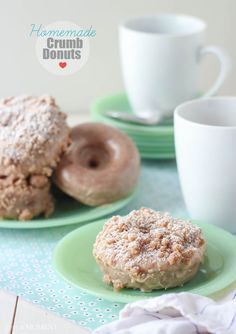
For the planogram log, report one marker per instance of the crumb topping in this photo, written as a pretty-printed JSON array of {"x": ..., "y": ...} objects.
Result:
[
  {"x": 27, "y": 124},
  {"x": 150, "y": 237}
]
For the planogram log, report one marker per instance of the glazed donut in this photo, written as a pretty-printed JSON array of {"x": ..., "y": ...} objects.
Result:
[{"x": 100, "y": 166}]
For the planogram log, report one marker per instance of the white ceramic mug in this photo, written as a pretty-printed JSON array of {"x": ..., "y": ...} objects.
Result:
[
  {"x": 205, "y": 140},
  {"x": 160, "y": 58}
]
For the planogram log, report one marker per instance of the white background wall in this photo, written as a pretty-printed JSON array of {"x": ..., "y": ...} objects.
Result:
[{"x": 20, "y": 71}]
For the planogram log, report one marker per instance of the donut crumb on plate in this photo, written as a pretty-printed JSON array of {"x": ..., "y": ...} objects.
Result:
[{"x": 148, "y": 250}]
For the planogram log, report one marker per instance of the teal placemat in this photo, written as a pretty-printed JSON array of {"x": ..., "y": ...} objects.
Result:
[{"x": 25, "y": 260}]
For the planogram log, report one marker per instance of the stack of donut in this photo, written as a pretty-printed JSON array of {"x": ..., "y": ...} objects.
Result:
[
  {"x": 33, "y": 136},
  {"x": 93, "y": 163}
]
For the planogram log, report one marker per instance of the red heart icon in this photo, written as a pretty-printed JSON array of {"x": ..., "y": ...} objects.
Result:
[{"x": 62, "y": 64}]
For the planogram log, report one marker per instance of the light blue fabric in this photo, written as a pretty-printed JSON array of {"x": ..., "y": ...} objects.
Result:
[{"x": 26, "y": 255}]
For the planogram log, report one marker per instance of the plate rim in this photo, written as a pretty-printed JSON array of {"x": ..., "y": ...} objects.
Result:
[
  {"x": 121, "y": 298},
  {"x": 60, "y": 221},
  {"x": 135, "y": 131},
  {"x": 96, "y": 111}
]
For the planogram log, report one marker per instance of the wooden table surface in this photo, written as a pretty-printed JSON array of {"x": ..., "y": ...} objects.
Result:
[{"x": 18, "y": 316}]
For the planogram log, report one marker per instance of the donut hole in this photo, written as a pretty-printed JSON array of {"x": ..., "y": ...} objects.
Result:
[
  {"x": 94, "y": 157},
  {"x": 93, "y": 163}
]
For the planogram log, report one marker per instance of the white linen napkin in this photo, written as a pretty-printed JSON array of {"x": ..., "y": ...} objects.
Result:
[{"x": 182, "y": 313}]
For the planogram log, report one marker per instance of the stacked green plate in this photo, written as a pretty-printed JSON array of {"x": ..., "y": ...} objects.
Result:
[{"x": 153, "y": 142}]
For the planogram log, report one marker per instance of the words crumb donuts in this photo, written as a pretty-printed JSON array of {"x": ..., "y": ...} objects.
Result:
[
  {"x": 148, "y": 250},
  {"x": 100, "y": 166}
]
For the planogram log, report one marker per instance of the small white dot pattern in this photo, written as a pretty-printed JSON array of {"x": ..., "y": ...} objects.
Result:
[{"x": 26, "y": 255}]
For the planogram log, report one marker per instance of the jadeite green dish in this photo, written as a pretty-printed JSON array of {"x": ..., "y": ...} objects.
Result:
[
  {"x": 154, "y": 146},
  {"x": 68, "y": 211},
  {"x": 153, "y": 142},
  {"x": 158, "y": 137},
  {"x": 159, "y": 149},
  {"x": 151, "y": 138},
  {"x": 73, "y": 259},
  {"x": 119, "y": 102},
  {"x": 157, "y": 156}
]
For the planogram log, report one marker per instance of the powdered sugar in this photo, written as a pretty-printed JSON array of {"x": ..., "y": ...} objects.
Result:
[
  {"x": 150, "y": 235},
  {"x": 33, "y": 136},
  {"x": 26, "y": 124}
]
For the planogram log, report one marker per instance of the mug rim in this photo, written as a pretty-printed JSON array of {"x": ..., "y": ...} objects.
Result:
[
  {"x": 126, "y": 25},
  {"x": 178, "y": 109}
]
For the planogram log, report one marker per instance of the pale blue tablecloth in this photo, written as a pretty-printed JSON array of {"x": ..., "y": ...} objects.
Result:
[{"x": 26, "y": 255}]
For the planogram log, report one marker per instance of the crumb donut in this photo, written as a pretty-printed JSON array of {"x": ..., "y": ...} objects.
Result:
[
  {"x": 100, "y": 166},
  {"x": 24, "y": 199},
  {"x": 33, "y": 135},
  {"x": 148, "y": 250}
]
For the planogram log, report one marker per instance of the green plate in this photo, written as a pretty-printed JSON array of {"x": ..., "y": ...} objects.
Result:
[
  {"x": 153, "y": 149},
  {"x": 145, "y": 131},
  {"x": 149, "y": 137},
  {"x": 153, "y": 142},
  {"x": 162, "y": 140},
  {"x": 119, "y": 102},
  {"x": 73, "y": 259},
  {"x": 68, "y": 211},
  {"x": 157, "y": 156},
  {"x": 156, "y": 147}
]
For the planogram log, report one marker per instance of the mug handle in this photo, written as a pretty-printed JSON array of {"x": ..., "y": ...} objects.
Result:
[{"x": 225, "y": 66}]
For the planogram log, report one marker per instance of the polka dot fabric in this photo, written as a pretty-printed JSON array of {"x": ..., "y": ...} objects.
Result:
[{"x": 26, "y": 255}]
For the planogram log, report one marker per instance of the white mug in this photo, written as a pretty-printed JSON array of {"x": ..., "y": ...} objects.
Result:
[
  {"x": 205, "y": 141},
  {"x": 160, "y": 58}
]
